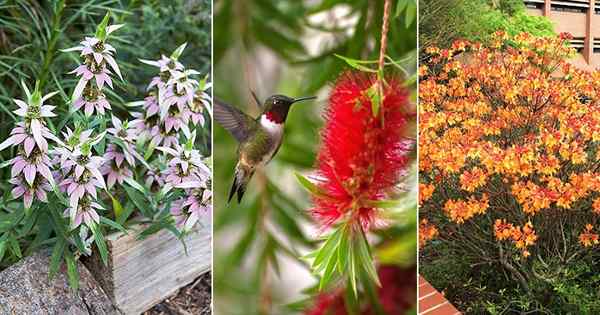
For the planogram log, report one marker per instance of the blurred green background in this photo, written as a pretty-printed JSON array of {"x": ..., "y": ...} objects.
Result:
[{"x": 287, "y": 47}]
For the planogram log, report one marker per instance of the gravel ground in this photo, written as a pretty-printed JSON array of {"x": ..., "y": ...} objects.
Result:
[{"x": 192, "y": 299}]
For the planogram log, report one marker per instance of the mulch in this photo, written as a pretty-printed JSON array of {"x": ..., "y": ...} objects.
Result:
[{"x": 192, "y": 299}]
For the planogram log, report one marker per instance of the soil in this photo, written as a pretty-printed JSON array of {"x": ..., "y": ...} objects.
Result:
[{"x": 193, "y": 299}]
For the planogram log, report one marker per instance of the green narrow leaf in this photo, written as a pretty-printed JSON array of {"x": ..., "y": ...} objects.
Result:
[
  {"x": 101, "y": 244},
  {"x": 72, "y": 271},
  {"x": 328, "y": 248},
  {"x": 352, "y": 271},
  {"x": 310, "y": 186},
  {"x": 101, "y": 30},
  {"x": 133, "y": 183},
  {"x": 56, "y": 257},
  {"x": 139, "y": 200},
  {"x": 375, "y": 97},
  {"x": 411, "y": 13},
  {"x": 117, "y": 207},
  {"x": 358, "y": 64},
  {"x": 14, "y": 246},
  {"x": 113, "y": 224},
  {"x": 365, "y": 258},
  {"x": 351, "y": 301}
]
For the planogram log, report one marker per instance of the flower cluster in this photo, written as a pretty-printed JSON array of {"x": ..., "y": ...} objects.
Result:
[
  {"x": 94, "y": 72},
  {"x": 186, "y": 170},
  {"x": 508, "y": 130},
  {"x": 363, "y": 152},
  {"x": 522, "y": 237},
  {"x": 120, "y": 158},
  {"x": 587, "y": 238},
  {"x": 31, "y": 168},
  {"x": 79, "y": 177},
  {"x": 427, "y": 231},
  {"x": 175, "y": 101}
]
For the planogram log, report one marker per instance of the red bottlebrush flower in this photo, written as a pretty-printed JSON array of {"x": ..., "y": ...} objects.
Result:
[
  {"x": 328, "y": 304},
  {"x": 397, "y": 294},
  {"x": 362, "y": 155}
]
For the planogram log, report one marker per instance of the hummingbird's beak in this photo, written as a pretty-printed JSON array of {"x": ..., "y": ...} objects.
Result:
[{"x": 304, "y": 98}]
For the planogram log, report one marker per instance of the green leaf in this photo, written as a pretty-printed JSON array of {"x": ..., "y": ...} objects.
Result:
[
  {"x": 113, "y": 224},
  {"x": 101, "y": 244},
  {"x": 56, "y": 257},
  {"x": 310, "y": 186},
  {"x": 358, "y": 64},
  {"x": 375, "y": 96},
  {"x": 117, "y": 207},
  {"x": 139, "y": 200},
  {"x": 411, "y": 13},
  {"x": 101, "y": 30},
  {"x": 14, "y": 246},
  {"x": 177, "y": 53},
  {"x": 72, "y": 271},
  {"x": 365, "y": 258},
  {"x": 328, "y": 248},
  {"x": 133, "y": 183}
]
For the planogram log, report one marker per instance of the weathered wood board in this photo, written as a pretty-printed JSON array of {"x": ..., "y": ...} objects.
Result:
[{"x": 142, "y": 273}]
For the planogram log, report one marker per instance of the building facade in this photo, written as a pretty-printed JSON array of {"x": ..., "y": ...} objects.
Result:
[{"x": 581, "y": 18}]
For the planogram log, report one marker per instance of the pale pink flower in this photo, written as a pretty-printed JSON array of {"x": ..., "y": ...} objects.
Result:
[
  {"x": 115, "y": 173},
  {"x": 99, "y": 104},
  {"x": 37, "y": 189},
  {"x": 186, "y": 169},
  {"x": 98, "y": 72},
  {"x": 100, "y": 50},
  {"x": 30, "y": 166},
  {"x": 187, "y": 210},
  {"x": 154, "y": 177},
  {"x": 84, "y": 213}
]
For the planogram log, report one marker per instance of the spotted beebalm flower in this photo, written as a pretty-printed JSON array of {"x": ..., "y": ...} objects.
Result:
[
  {"x": 114, "y": 167},
  {"x": 165, "y": 66},
  {"x": 188, "y": 210},
  {"x": 84, "y": 174},
  {"x": 96, "y": 54},
  {"x": 28, "y": 191},
  {"x": 92, "y": 99},
  {"x": 100, "y": 50},
  {"x": 201, "y": 102},
  {"x": 186, "y": 169},
  {"x": 85, "y": 213},
  {"x": 363, "y": 154},
  {"x": 180, "y": 91},
  {"x": 154, "y": 177},
  {"x": 31, "y": 168}
]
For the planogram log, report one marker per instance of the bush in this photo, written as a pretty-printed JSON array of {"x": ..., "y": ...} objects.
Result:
[
  {"x": 443, "y": 22},
  {"x": 509, "y": 176}
]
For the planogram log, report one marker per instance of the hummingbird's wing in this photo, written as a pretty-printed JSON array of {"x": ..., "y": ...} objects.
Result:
[{"x": 234, "y": 120}]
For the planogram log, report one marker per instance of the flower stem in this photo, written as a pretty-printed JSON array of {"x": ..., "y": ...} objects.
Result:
[
  {"x": 384, "y": 30},
  {"x": 49, "y": 56}
]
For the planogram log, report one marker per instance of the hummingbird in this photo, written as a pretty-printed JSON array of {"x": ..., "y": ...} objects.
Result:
[{"x": 259, "y": 138}]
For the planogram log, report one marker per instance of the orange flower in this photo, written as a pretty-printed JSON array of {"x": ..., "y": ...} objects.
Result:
[
  {"x": 596, "y": 206},
  {"x": 471, "y": 180},
  {"x": 425, "y": 192},
  {"x": 587, "y": 238},
  {"x": 427, "y": 232}
]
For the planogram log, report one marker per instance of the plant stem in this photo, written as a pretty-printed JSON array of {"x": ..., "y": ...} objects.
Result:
[
  {"x": 384, "y": 31},
  {"x": 49, "y": 56}
]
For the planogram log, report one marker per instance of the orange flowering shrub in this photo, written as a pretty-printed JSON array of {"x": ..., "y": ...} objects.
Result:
[{"x": 509, "y": 136}]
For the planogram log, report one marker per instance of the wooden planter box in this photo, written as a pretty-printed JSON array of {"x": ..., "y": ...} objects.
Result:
[{"x": 142, "y": 273}]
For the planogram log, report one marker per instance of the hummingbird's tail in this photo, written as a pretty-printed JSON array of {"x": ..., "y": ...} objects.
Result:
[{"x": 240, "y": 181}]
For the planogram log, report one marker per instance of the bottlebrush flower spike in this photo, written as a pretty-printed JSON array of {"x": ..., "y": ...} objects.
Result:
[{"x": 362, "y": 154}]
